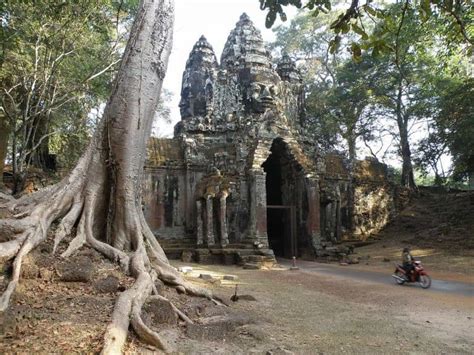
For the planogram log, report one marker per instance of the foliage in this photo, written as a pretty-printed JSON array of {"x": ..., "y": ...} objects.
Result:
[
  {"x": 397, "y": 88},
  {"x": 457, "y": 17},
  {"x": 341, "y": 108},
  {"x": 338, "y": 88},
  {"x": 455, "y": 125},
  {"x": 430, "y": 152},
  {"x": 163, "y": 112},
  {"x": 57, "y": 62}
]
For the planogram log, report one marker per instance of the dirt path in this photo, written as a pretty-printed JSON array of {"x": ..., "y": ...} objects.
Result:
[
  {"x": 305, "y": 312},
  {"x": 463, "y": 286}
]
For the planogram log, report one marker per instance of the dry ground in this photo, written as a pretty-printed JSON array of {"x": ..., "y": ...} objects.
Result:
[{"x": 293, "y": 311}]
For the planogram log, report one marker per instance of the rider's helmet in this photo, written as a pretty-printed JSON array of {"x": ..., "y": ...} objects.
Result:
[{"x": 406, "y": 250}]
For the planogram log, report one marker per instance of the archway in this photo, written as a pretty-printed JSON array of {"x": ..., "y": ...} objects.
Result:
[{"x": 280, "y": 200}]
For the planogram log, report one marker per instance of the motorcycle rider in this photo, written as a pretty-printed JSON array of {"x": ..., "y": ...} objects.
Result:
[{"x": 408, "y": 261}]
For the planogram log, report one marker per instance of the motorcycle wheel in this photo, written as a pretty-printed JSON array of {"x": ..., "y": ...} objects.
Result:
[
  {"x": 425, "y": 281},
  {"x": 399, "y": 274}
]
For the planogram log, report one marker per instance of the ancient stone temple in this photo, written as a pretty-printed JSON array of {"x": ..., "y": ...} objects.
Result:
[{"x": 240, "y": 180}]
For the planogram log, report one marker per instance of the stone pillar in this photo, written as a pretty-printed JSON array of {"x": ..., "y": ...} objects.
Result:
[
  {"x": 333, "y": 220},
  {"x": 338, "y": 235},
  {"x": 223, "y": 220},
  {"x": 189, "y": 197},
  {"x": 209, "y": 222},
  {"x": 328, "y": 225},
  {"x": 258, "y": 208},
  {"x": 313, "y": 225},
  {"x": 199, "y": 231}
]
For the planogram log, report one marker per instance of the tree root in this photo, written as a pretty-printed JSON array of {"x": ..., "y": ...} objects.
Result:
[
  {"x": 29, "y": 243},
  {"x": 68, "y": 222},
  {"x": 6, "y": 197},
  {"x": 147, "y": 263},
  {"x": 10, "y": 249}
]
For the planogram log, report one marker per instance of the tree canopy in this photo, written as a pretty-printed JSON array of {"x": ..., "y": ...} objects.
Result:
[
  {"x": 457, "y": 16},
  {"x": 394, "y": 83},
  {"x": 57, "y": 62}
]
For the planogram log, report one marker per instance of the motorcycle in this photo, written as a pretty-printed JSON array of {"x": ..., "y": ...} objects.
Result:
[{"x": 418, "y": 274}]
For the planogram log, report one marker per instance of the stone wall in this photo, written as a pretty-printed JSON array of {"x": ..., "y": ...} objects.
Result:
[
  {"x": 164, "y": 203},
  {"x": 374, "y": 198}
]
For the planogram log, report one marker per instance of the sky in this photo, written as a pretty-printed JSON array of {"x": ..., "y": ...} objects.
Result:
[{"x": 214, "y": 19}]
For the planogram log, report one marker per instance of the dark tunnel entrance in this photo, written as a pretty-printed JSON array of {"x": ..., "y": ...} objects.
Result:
[{"x": 280, "y": 214}]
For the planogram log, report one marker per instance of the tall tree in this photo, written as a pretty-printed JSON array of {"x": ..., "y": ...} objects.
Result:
[
  {"x": 454, "y": 126},
  {"x": 57, "y": 63},
  {"x": 342, "y": 108},
  {"x": 400, "y": 75},
  {"x": 102, "y": 193},
  {"x": 339, "y": 89}
]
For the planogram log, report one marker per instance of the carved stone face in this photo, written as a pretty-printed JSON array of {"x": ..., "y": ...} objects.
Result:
[
  {"x": 185, "y": 104},
  {"x": 262, "y": 90}
]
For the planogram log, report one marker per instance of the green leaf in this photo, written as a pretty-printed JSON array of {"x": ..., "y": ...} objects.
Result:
[
  {"x": 380, "y": 14},
  {"x": 345, "y": 28},
  {"x": 425, "y": 9},
  {"x": 356, "y": 51},
  {"x": 360, "y": 31},
  {"x": 370, "y": 10}
]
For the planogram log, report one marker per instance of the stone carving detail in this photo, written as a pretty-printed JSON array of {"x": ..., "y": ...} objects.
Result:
[
  {"x": 197, "y": 93},
  {"x": 235, "y": 94}
]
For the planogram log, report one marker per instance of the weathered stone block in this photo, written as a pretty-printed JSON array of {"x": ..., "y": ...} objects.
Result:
[
  {"x": 251, "y": 266},
  {"x": 108, "y": 284},
  {"x": 160, "y": 312},
  {"x": 187, "y": 256},
  {"x": 76, "y": 270},
  {"x": 185, "y": 269}
]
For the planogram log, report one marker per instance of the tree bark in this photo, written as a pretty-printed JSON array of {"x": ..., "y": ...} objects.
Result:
[
  {"x": 102, "y": 193},
  {"x": 351, "y": 142},
  {"x": 37, "y": 146},
  {"x": 4, "y": 135},
  {"x": 407, "y": 178}
]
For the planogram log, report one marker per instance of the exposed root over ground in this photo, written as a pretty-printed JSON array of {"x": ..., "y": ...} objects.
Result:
[
  {"x": 146, "y": 263},
  {"x": 66, "y": 305},
  {"x": 77, "y": 202}
]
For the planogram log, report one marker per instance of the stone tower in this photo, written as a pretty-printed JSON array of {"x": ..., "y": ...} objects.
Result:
[{"x": 198, "y": 81}]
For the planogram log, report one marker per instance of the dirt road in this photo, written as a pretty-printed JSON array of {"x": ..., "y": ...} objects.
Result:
[
  {"x": 313, "y": 312},
  {"x": 381, "y": 277}
]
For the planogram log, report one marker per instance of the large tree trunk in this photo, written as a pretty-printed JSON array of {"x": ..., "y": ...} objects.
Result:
[
  {"x": 407, "y": 178},
  {"x": 351, "y": 141},
  {"x": 4, "y": 135},
  {"x": 102, "y": 193},
  {"x": 38, "y": 145}
]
